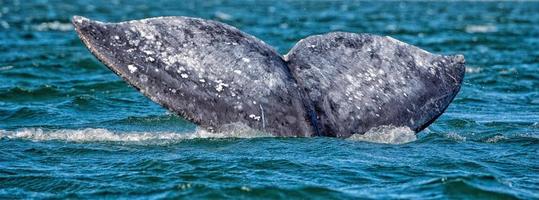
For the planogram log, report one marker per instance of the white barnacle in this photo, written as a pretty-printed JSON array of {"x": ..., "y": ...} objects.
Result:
[
  {"x": 247, "y": 60},
  {"x": 219, "y": 86},
  {"x": 252, "y": 116},
  {"x": 180, "y": 70},
  {"x": 116, "y": 37},
  {"x": 134, "y": 42},
  {"x": 184, "y": 75},
  {"x": 432, "y": 70},
  {"x": 202, "y": 80},
  {"x": 148, "y": 52},
  {"x": 132, "y": 68},
  {"x": 79, "y": 20},
  {"x": 237, "y": 71},
  {"x": 238, "y": 107}
]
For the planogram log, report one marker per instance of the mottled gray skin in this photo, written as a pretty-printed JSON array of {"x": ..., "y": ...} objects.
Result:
[
  {"x": 336, "y": 84},
  {"x": 361, "y": 81},
  {"x": 205, "y": 71}
]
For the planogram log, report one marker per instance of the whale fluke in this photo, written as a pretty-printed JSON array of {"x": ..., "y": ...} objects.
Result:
[
  {"x": 337, "y": 84},
  {"x": 206, "y": 71},
  {"x": 361, "y": 81}
]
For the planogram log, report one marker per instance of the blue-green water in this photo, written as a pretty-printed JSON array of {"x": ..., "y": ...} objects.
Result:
[{"x": 70, "y": 128}]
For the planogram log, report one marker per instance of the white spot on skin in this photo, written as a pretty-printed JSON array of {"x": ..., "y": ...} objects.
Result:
[
  {"x": 116, "y": 37},
  {"x": 134, "y": 42},
  {"x": 184, "y": 75},
  {"x": 247, "y": 60},
  {"x": 132, "y": 68},
  {"x": 252, "y": 116},
  {"x": 202, "y": 80},
  {"x": 237, "y": 71},
  {"x": 220, "y": 86},
  {"x": 238, "y": 107}
]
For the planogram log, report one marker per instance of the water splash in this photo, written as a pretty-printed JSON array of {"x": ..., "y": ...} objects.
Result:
[
  {"x": 386, "y": 135},
  {"x": 105, "y": 135}
]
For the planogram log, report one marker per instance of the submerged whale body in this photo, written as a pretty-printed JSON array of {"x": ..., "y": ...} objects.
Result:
[{"x": 336, "y": 84}]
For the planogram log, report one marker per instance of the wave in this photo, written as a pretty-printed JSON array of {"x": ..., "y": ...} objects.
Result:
[
  {"x": 105, "y": 135},
  {"x": 487, "y": 138},
  {"x": 41, "y": 92},
  {"x": 472, "y": 185}
]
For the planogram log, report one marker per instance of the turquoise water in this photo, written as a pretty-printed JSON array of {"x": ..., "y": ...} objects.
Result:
[{"x": 70, "y": 128}]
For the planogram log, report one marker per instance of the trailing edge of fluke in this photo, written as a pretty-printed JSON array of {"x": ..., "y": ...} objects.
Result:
[{"x": 336, "y": 84}]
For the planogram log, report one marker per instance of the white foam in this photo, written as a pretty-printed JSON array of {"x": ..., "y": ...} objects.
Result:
[
  {"x": 104, "y": 135},
  {"x": 53, "y": 26},
  {"x": 496, "y": 139},
  {"x": 484, "y": 28},
  {"x": 223, "y": 16},
  {"x": 6, "y": 68},
  {"x": 455, "y": 137},
  {"x": 386, "y": 135},
  {"x": 473, "y": 70}
]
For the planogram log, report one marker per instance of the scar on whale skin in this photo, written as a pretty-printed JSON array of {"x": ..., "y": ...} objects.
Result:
[{"x": 336, "y": 84}]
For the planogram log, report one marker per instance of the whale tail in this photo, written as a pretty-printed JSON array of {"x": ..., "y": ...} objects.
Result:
[{"x": 336, "y": 84}]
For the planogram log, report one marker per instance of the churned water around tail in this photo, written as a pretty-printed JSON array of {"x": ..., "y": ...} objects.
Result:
[{"x": 70, "y": 128}]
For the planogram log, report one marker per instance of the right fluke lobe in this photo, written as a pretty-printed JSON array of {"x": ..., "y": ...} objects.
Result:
[{"x": 361, "y": 81}]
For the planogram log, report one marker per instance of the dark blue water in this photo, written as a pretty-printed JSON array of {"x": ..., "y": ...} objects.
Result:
[{"x": 70, "y": 128}]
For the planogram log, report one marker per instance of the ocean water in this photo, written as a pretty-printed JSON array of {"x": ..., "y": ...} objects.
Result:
[{"x": 70, "y": 128}]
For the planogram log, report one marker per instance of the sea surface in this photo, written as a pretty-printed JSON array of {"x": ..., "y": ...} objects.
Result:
[{"x": 70, "y": 128}]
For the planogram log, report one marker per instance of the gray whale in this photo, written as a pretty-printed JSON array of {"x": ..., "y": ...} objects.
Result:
[{"x": 336, "y": 84}]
